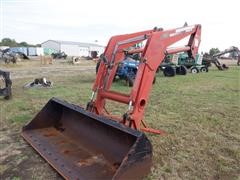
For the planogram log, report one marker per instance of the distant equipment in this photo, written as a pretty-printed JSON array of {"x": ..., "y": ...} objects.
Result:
[
  {"x": 60, "y": 55},
  {"x": 5, "y": 85},
  {"x": 207, "y": 59},
  {"x": 71, "y": 48},
  {"x": 8, "y": 55}
]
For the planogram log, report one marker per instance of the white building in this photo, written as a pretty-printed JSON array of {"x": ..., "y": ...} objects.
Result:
[
  {"x": 4, "y": 47},
  {"x": 73, "y": 48}
]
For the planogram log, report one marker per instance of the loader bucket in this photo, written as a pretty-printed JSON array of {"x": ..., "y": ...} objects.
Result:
[{"x": 83, "y": 145}]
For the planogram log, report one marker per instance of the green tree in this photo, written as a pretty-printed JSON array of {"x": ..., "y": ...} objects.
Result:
[
  {"x": 23, "y": 44},
  {"x": 213, "y": 51},
  {"x": 12, "y": 43},
  {"x": 8, "y": 42}
]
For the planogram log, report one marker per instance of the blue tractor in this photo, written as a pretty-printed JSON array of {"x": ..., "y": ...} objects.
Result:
[{"x": 127, "y": 70}]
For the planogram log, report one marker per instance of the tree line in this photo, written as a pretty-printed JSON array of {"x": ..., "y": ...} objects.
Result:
[{"x": 12, "y": 43}]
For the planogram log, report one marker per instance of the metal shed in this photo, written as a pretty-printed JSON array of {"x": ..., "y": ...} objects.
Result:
[{"x": 73, "y": 48}]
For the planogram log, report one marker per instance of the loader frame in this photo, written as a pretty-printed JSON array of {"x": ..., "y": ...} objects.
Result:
[
  {"x": 92, "y": 144},
  {"x": 153, "y": 53}
]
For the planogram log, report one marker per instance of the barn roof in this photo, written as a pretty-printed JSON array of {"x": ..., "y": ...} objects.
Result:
[{"x": 75, "y": 43}]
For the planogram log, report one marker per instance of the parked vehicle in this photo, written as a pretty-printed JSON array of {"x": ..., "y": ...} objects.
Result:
[
  {"x": 180, "y": 64},
  {"x": 127, "y": 70},
  {"x": 207, "y": 59},
  {"x": 8, "y": 56},
  {"x": 59, "y": 55}
]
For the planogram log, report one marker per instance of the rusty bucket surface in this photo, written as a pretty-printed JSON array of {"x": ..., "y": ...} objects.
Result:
[{"x": 82, "y": 145}]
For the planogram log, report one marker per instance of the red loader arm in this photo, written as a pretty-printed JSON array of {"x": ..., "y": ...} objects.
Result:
[{"x": 152, "y": 54}]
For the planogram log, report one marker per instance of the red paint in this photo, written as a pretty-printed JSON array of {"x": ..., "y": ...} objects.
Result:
[{"x": 152, "y": 54}]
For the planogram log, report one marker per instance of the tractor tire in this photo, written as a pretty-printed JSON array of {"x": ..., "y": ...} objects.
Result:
[
  {"x": 115, "y": 79},
  {"x": 7, "y": 60},
  {"x": 204, "y": 69},
  {"x": 75, "y": 60},
  {"x": 224, "y": 66},
  {"x": 169, "y": 71},
  {"x": 181, "y": 70},
  {"x": 8, "y": 97},
  {"x": 97, "y": 66},
  {"x": 154, "y": 80},
  {"x": 130, "y": 81},
  {"x": 194, "y": 70}
]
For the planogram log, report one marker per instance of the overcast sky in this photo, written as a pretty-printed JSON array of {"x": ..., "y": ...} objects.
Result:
[{"x": 35, "y": 21}]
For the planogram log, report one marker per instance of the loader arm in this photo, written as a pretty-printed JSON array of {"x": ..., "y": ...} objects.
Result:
[
  {"x": 153, "y": 53},
  {"x": 91, "y": 145},
  {"x": 112, "y": 54},
  {"x": 229, "y": 50},
  {"x": 215, "y": 61}
]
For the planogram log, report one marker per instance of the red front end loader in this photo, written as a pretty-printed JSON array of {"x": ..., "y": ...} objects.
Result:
[{"x": 92, "y": 143}]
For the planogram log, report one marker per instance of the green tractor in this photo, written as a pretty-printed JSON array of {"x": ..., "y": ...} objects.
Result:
[
  {"x": 180, "y": 64},
  {"x": 195, "y": 65}
]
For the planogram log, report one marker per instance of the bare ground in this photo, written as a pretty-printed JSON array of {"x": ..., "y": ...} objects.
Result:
[
  {"x": 33, "y": 69},
  {"x": 17, "y": 159}
]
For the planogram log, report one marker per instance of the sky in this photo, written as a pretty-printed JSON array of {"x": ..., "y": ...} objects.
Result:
[{"x": 36, "y": 21}]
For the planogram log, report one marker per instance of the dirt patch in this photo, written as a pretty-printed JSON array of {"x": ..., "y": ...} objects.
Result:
[
  {"x": 18, "y": 159},
  {"x": 228, "y": 62},
  {"x": 33, "y": 69},
  {"x": 198, "y": 112}
]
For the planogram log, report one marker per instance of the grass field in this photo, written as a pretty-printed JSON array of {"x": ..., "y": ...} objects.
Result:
[{"x": 200, "y": 114}]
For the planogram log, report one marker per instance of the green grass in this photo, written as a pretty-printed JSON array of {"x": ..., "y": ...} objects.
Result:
[{"x": 200, "y": 114}]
